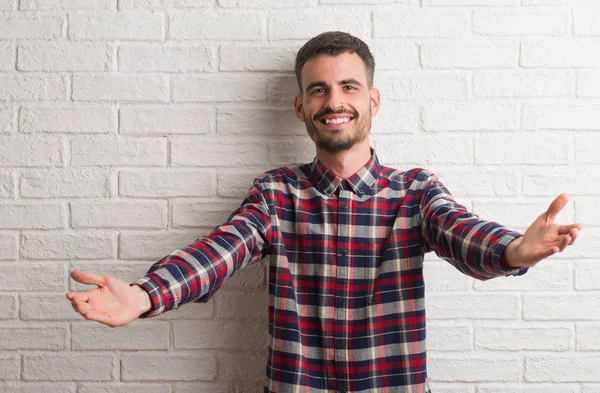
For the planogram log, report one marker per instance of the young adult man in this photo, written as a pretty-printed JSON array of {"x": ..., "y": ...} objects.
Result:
[{"x": 346, "y": 238}]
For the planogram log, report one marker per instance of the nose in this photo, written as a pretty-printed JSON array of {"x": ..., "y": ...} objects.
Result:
[{"x": 334, "y": 100}]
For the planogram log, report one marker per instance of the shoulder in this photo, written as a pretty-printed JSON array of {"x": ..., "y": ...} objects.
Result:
[
  {"x": 282, "y": 175},
  {"x": 414, "y": 178}
]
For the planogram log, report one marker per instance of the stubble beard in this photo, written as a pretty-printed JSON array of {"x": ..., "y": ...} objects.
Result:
[{"x": 334, "y": 144}]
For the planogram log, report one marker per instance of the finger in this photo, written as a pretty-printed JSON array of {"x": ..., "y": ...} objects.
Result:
[
  {"x": 564, "y": 229},
  {"x": 564, "y": 242},
  {"x": 573, "y": 233},
  {"x": 78, "y": 296},
  {"x": 556, "y": 206},
  {"x": 547, "y": 253},
  {"x": 87, "y": 278}
]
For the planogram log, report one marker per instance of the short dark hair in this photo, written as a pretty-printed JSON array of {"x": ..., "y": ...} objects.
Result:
[{"x": 334, "y": 43}]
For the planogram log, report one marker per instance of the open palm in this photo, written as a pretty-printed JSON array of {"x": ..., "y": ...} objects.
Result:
[{"x": 114, "y": 302}]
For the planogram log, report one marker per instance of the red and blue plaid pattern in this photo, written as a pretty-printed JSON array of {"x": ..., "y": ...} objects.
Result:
[{"x": 346, "y": 304}]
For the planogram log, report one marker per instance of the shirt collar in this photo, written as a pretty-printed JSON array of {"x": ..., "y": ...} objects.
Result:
[{"x": 362, "y": 182}]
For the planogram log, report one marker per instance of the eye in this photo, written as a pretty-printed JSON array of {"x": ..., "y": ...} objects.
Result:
[
  {"x": 350, "y": 87},
  {"x": 318, "y": 90}
]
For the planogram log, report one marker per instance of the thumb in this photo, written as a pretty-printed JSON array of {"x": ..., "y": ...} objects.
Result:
[
  {"x": 556, "y": 206},
  {"x": 88, "y": 278}
]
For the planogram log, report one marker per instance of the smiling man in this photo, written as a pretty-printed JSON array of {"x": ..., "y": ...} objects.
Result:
[{"x": 346, "y": 239}]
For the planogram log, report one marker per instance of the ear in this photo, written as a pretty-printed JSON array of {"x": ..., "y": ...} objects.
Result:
[
  {"x": 299, "y": 107},
  {"x": 375, "y": 101}
]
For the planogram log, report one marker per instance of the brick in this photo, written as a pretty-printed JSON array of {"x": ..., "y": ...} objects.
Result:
[
  {"x": 43, "y": 27},
  {"x": 521, "y": 337},
  {"x": 561, "y": 117},
  {"x": 588, "y": 84},
  {"x": 137, "y": 336},
  {"x": 125, "y": 25},
  {"x": 518, "y": 214},
  {"x": 521, "y": 22},
  {"x": 488, "y": 3},
  {"x": 172, "y": 119},
  {"x": 420, "y": 23},
  {"x": 564, "y": 306},
  {"x": 121, "y": 87},
  {"x": 202, "y": 214},
  {"x": 257, "y": 58},
  {"x": 589, "y": 388},
  {"x": 26, "y": 276},
  {"x": 442, "y": 276},
  {"x": 249, "y": 279},
  {"x": 69, "y": 367},
  {"x": 47, "y": 307},
  {"x": 8, "y": 308},
  {"x": 60, "y": 245},
  {"x": 305, "y": 24},
  {"x": 527, "y": 388},
  {"x": 244, "y": 368},
  {"x": 558, "y": 2},
  {"x": 242, "y": 305},
  {"x": 8, "y": 57},
  {"x": 225, "y": 25},
  {"x": 194, "y": 151},
  {"x": 522, "y": 84},
  {"x": 477, "y": 116},
  {"x": 220, "y": 335},
  {"x": 8, "y": 4},
  {"x": 33, "y": 387},
  {"x": 547, "y": 276},
  {"x": 191, "y": 311},
  {"x": 561, "y": 53},
  {"x": 226, "y": 88},
  {"x": 163, "y": 4},
  {"x": 35, "y": 5},
  {"x": 473, "y": 306},
  {"x": 290, "y": 152},
  {"x": 159, "y": 183},
  {"x": 32, "y": 87},
  {"x": 73, "y": 120},
  {"x": 417, "y": 86},
  {"x": 395, "y": 54},
  {"x": 153, "y": 245},
  {"x": 553, "y": 181},
  {"x": 138, "y": 214},
  {"x": 47, "y": 338},
  {"x": 121, "y": 152},
  {"x": 7, "y": 123},
  {"x": 32, "y": 216},
  {"x": 479, "y": 181},
  {"x": 124, "y": 388},
  {"x": 235, "y": 184},
  {"x": 9, "y": 367},
  {"x": 449, "y": 337},
  {"x": 562, "y": 368},
  {"x": 469, "y": 368},
  {"x": 269, "y": 3},
  {"x": 438, "y": 149},
  {"x": 470, "y": 54},
  {"x": 396, "y": 118},
  {"x": 454, "y": 388},
  {"x": 8, "y": 246},
  {"x": 586, "y": 21},
  {"x": 243, "y": 121},
  {"x": 588, "y": 336},
  {"x": 30, "y": 153},
  {"x": 586, "y": 273},
  {"x": 60, "y": 183},
  {"x": 54, "y": 57},
  {"x": 584, "y": 153},
  {"x": 165, "y": 58},
  {"x": 168, "y": 367},
  {"x": 502, "y": 149}
]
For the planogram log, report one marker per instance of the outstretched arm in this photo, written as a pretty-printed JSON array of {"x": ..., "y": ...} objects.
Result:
[
  {"x": 114, "y": 302},
  {"x": 542, "y": 239}
]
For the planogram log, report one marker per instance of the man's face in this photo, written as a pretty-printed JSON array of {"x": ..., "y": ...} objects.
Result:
[{"x": 336, "y": 103}]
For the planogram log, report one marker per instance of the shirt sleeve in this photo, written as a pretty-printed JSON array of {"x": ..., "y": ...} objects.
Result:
[
  {"x": 194, "y": 273},
  {"x": 471, "y": 245}
]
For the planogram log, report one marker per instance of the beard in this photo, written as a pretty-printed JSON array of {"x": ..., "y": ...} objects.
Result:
[{"x": 353, "y": 134}]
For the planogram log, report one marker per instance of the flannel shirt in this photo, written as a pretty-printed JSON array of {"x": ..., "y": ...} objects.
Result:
[{"x": 346, "y": 292}]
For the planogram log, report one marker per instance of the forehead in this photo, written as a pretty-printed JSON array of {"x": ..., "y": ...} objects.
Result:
[{"x": 328, "y": 68}]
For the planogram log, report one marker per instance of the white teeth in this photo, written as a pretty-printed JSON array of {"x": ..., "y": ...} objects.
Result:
[{"x": 341, "y": 120}]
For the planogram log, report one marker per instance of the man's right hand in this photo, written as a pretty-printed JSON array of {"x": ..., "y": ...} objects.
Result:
[{"x": 113, "y": 303}]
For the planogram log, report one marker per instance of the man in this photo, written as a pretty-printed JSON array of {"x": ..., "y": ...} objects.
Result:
[{"x": 346, "y": 238}]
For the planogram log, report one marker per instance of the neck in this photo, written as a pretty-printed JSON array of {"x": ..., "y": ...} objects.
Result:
[{"x": 346, "y": 163}]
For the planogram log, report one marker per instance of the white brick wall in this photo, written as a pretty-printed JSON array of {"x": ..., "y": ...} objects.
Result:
[{"x": 128, "y": 128}]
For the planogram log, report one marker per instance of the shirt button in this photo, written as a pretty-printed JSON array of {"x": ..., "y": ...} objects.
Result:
[
  {"x": 343, "y": 391},
  {"x": 341, "y": 300},
  {"x": 345, "y": 207},
  {"x": 340, "y": 345},
  {"x": 344, "y": 252}
]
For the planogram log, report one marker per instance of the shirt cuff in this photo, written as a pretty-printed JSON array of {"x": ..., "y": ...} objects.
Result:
[
  {"x": 498, "y": 249},
  {"x": 157, "y": 299}
]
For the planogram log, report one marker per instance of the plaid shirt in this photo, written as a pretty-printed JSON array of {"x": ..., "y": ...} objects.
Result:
[{"x": 346, "y": 291}]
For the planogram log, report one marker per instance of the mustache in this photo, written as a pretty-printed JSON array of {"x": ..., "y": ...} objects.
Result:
[{"x": 319, "y": 115}]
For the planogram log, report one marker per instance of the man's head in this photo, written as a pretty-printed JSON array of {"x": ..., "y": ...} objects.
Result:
[{"x": 336, "y": 99}]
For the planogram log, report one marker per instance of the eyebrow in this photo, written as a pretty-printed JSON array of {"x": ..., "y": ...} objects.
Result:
[{"x": 350, "y": 81}]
